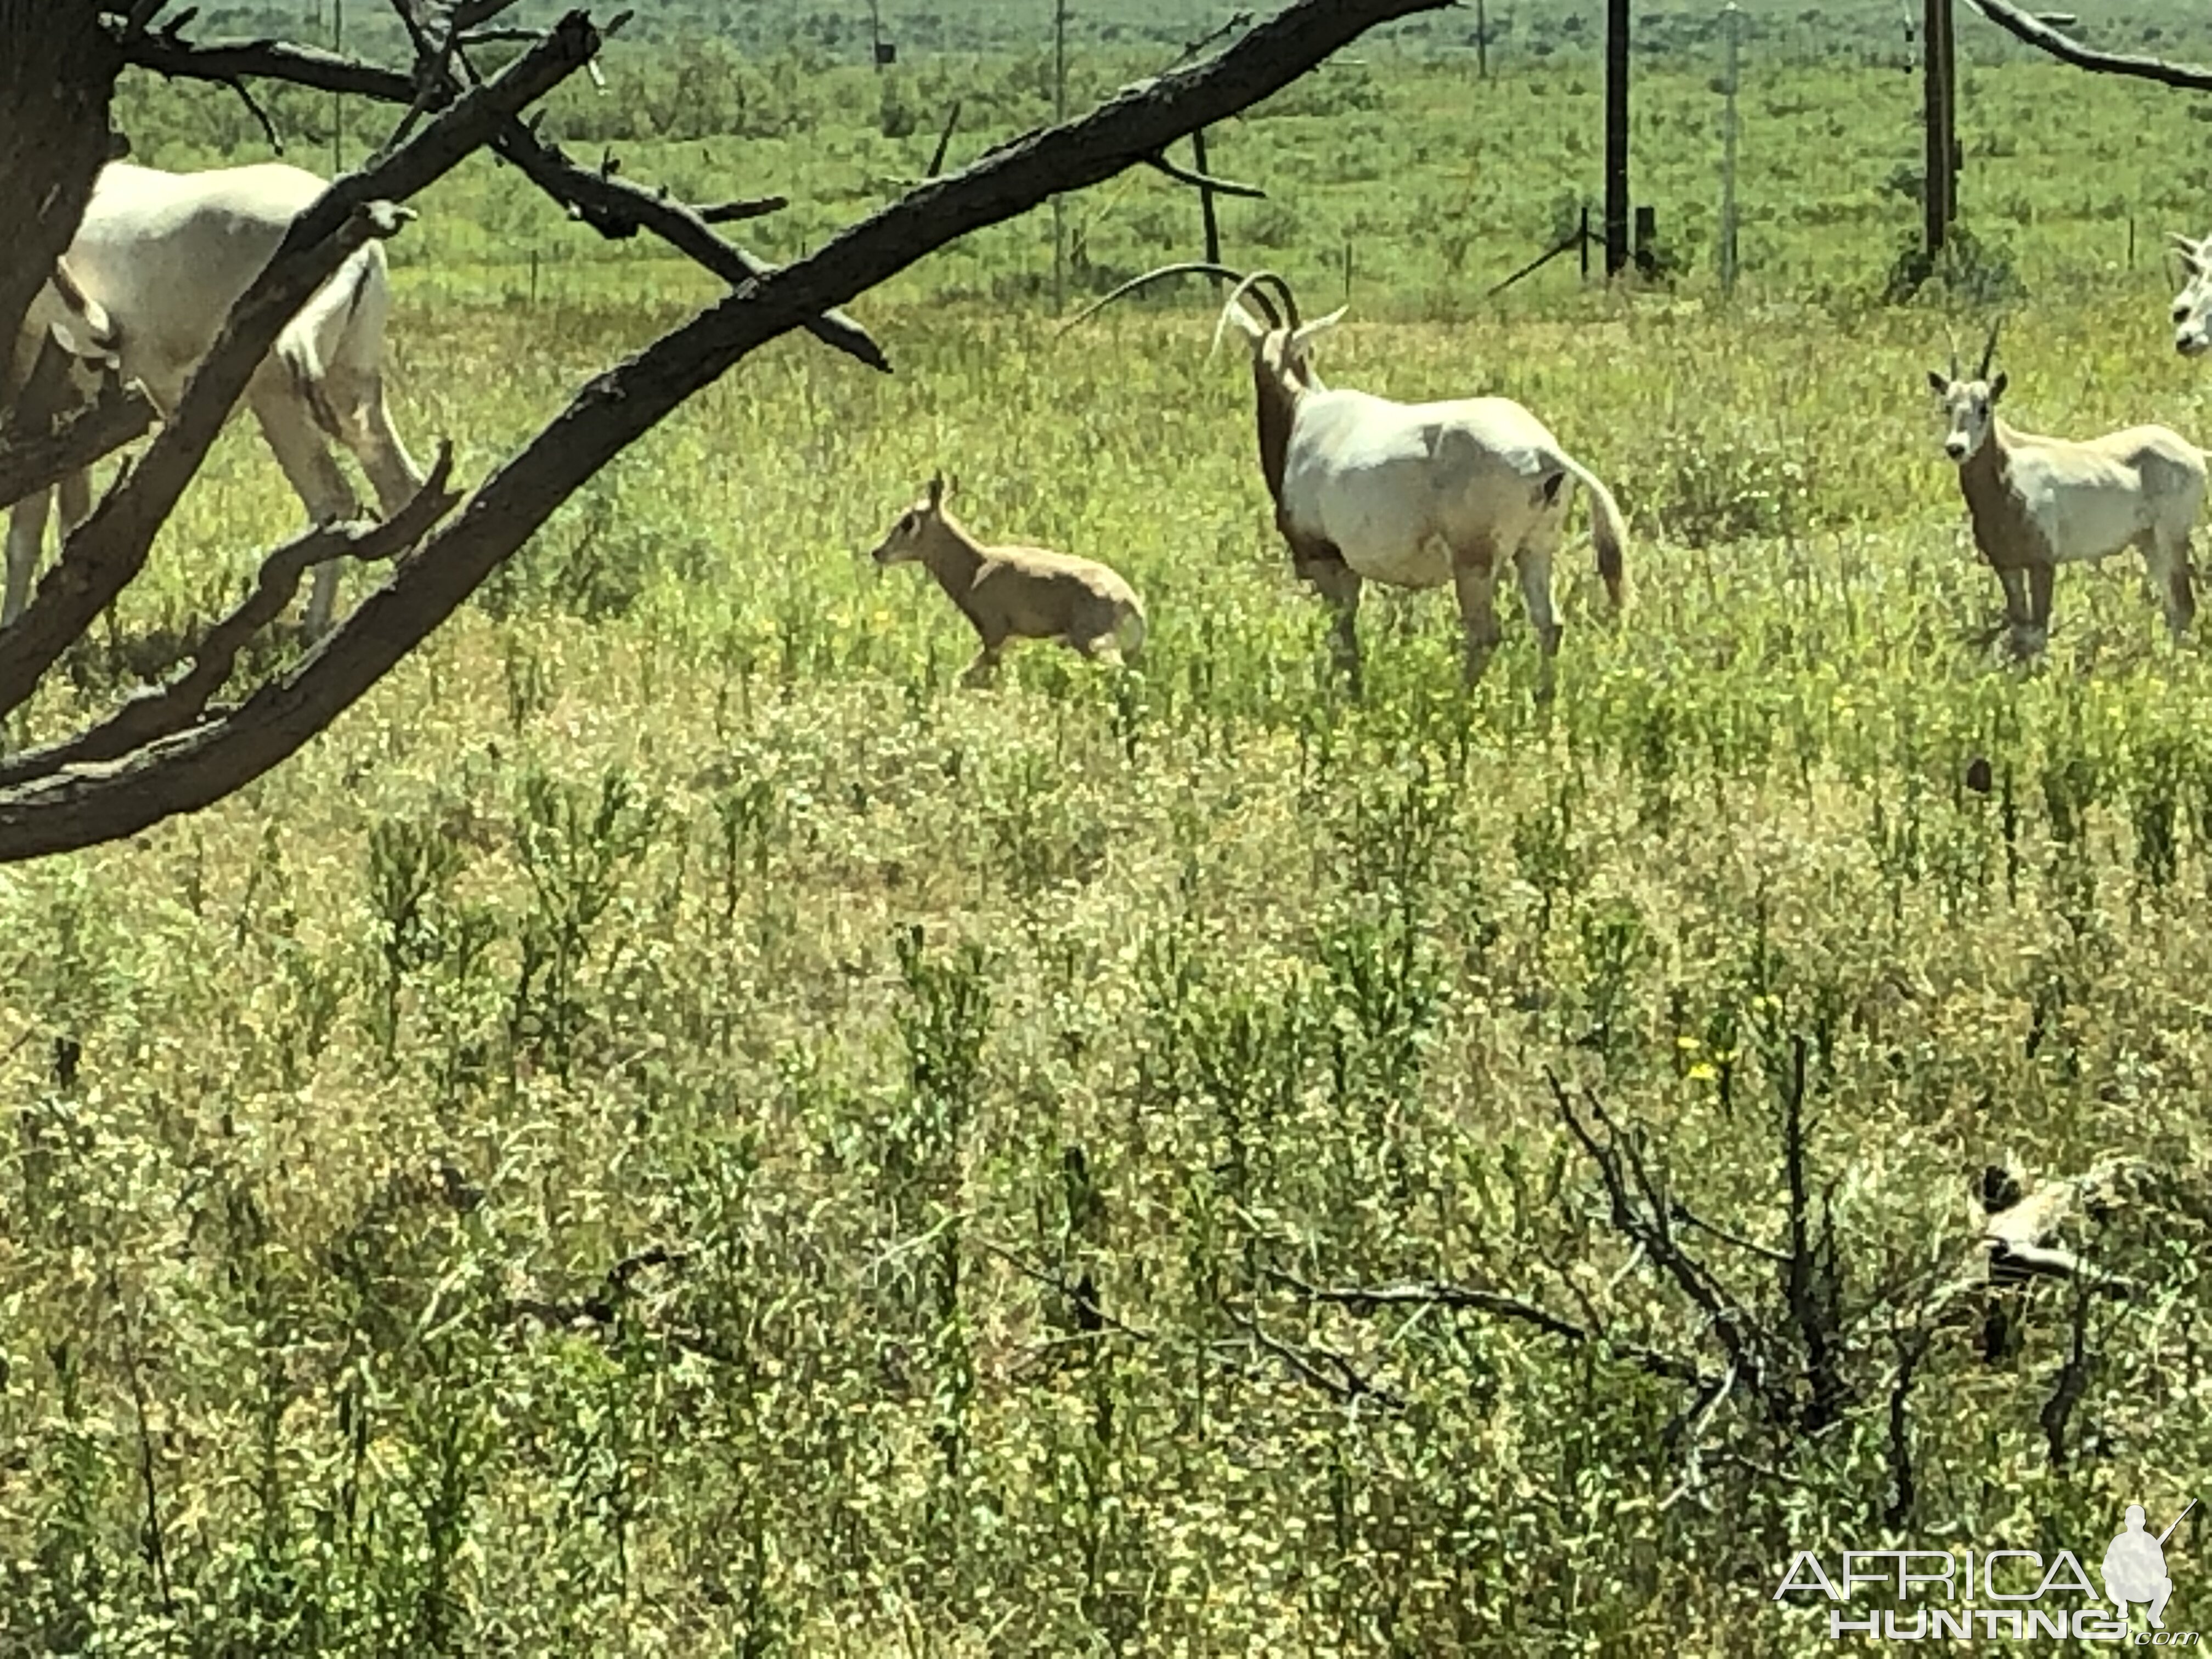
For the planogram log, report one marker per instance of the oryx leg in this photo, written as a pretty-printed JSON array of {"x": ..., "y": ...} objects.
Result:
[
  {"x": 73, "y": 498},
  {"x": 289, "y": 428},
  {"x": 2014, "y": 580},
  {"x": 27, "y": 539},
  {"x": 2167, "y": 562},
  {"x": 365, "y": 427},
  {"x": 1533, "y": 562},
  {"x": 1322, "y": 567},
  {"x": 986, "y": 666},
  {"x": 2039, "y": 579},
  {"x": 1474, "y": 576}
]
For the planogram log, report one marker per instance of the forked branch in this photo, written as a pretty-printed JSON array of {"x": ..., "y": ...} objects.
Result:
[
  {"x": 2027, "y": 26},
  {"x": 80, "y": 806}
]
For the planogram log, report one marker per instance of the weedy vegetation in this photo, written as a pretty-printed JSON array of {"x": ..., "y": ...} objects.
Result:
[{"x": 677, "y": 1127}]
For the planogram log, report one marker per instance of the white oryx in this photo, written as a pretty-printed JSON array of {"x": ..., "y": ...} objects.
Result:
[
  {"x": 147, "y": 283},
  {"x": 2192, "y": 326},
  {"x": 2036, "y": 503},
  {"x": 1413, "y": 494}
]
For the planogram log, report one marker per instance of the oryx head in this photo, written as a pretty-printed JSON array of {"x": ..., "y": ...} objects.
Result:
[
  {"x": 1969, "y": 404},
  {"x": 2192, "y": 329},
  {"x": 1281, "y": 340},
  {"x": 78, "y": 322},
  {"x": 910, "y": 532},
  {"x": 1282, "y": 347}
]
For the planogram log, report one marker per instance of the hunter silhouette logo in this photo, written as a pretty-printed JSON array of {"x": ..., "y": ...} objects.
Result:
[
  {"x": 1996, "y": 1593},
  {"x": 2134, "y": 1566}
]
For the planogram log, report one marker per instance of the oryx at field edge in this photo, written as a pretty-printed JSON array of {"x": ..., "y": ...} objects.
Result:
[
  {"x": 1413, "y": 494},
  {"x": 146, "y": 285},
  {"x": 2192, "y": 306},
  {"x": 2036, "y": 502}
]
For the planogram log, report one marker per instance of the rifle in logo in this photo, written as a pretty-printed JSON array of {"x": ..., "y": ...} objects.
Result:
[{"x": 2134, "y": 1566}]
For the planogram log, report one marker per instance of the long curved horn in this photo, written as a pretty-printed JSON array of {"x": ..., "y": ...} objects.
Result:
[
  {"x": 1264, "y": 279},
  {"x": 1190, "y": 268},
  {"x": 1952, "y": 334},
  {"x": 1990, "y": 349}
]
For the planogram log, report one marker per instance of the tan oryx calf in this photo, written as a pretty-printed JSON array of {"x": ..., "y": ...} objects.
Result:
[
  {"x": 1413, "y": 494},
  {"x": 2036, "y": 503},
  {"x": 1009, "y": 592}
]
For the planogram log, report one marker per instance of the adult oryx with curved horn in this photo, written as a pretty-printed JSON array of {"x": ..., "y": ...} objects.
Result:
[{"x": 1413, "y": 494}]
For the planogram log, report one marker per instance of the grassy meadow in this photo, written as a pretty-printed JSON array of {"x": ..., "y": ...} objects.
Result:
[{"x": 675, "y": 1129}]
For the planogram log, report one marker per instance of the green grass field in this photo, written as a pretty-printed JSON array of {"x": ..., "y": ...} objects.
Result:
[{"x": 674, "y": 1128}]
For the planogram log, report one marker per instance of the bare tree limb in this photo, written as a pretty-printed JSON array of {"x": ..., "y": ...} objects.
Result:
[
  {"x": 244, "y": 95},
  {"x": 2026, "y": 25},
  {"x": 1183, "y": 175},
  {"x": 56, "y": 81},
  {"x": 85, "y": 804},
  {"x": 1464, "y": 1297},
  {"x": 158, "y": 712},
  {"x": 614, "y": 207},
  {"x": 111, "y": 547},
  {"x": 1322, "y": 1368},
  {"x": 40, "y": 454}
]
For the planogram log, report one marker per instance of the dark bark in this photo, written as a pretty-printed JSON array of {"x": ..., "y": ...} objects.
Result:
[
  {"x": 57, "y": 70},
  {"x": 2026, "y": 25},
  {"x": 45, "y": 437},
  {"x": 103, "y": 801},
  {"x": 111, "y": 547}
]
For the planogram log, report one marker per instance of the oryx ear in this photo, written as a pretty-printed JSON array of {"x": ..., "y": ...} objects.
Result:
[
  {"x": 84, "y": 330},
  {"x": 1249, "y": 326},
  {"x": 1304, "y": 338},
  {"x": 937, "y": 487},
  {"x": 1997, "y": 386},
  {"x": 1939, "y": 380}
]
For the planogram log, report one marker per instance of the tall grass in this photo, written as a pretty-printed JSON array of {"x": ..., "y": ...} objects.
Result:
[{"x": 674, "y": 1127}]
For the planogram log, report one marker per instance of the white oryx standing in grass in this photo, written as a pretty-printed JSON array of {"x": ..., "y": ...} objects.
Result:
[
  {"x": 147, "y": 283},
  {"x": 1413, "y": 494},
  {"x": 2036, "y": 503}
]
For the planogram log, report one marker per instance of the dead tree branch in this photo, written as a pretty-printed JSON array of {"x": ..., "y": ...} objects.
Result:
[
  {"x": 1183, "y": 175},
  {"x": 158, "y": 712},
  {"x": 181, "y": 772},
  {"x": 56, "y": 82},
  {"x": 2026, "y": 25},
  {"x": 612, "y": 206},
  {"x": 111, "y": 547},
  {"x": 1464, "y": 1298},
  {"x": 40, "y": 444}
]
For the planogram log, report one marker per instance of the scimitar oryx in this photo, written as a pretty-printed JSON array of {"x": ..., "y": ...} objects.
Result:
[
  {"x": 1412, "y": 494},
  {"x": 147, "y": 283},
  {"x": 2036, "y": 502}
]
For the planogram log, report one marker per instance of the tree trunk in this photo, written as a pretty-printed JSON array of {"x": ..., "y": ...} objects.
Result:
[{"x": 57, "y": 70}]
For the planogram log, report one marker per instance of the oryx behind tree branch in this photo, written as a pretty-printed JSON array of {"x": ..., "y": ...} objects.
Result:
[
  {"x": 154, "y": 270},
  {"x": 1414, "y": 495},
  {"x": 2036, "y": 503}
]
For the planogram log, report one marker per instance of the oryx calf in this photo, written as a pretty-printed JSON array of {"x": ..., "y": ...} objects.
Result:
[
  {"x": 1413, "y": 494},
  {"x": 147, "y": 283},
  {"x": 1009, "y": 592},
  {"x": 2036, "y": 503}
]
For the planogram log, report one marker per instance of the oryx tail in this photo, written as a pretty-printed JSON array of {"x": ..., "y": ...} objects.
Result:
[{"x": 1609, "y": 529}]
